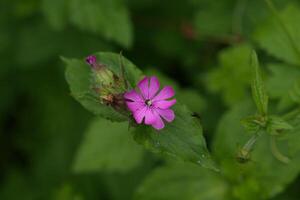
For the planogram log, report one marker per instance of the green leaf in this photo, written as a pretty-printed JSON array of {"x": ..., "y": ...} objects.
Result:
[
  {"x": 250, "y": 124},
  {"x": 110, "y": 19},
  {"x": 232, "y": 77},
  {"x": 263, "y": 176},
  {"x": 276, "y": 125},
  {"x": 281, "y": 84},
  {"x": 294, "y": 93},
  {"x": 78, "y": 75},
  {"x": 107, "y": 146},
  {"x": 280, "y": 35},
  {"x": 178, "y": 182},
  {"x": 181, "y": 139},
  {"x": 258, "y": 87}
]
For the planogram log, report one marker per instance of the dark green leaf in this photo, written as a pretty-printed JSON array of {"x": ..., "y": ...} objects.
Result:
[
  {"x": 110, "y": 19},
  {"x": 181, "y": 139},
  {"x": 78, "y": 75}
]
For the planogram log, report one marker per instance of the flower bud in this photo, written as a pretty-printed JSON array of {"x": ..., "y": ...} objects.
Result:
[{"x": 106, "y": 84}]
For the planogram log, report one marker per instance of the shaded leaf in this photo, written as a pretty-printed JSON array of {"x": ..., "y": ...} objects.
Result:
[
  {"x": 107, "y": 147},
  {"x": 178, "y": 181},
  {"x": 110, "y": 19}
]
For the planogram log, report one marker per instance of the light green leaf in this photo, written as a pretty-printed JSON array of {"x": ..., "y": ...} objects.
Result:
[
  {"x": 78, "y": 75},
  {"x": 250, "y": 124},
  {"x": 110, "y": 19},
  {"x": 294, "y": 93},
  {"x": 107, "y": 146},
  {"x": 258, "y": 87},
  {"x": 178, "y": 182},
  {"x": 232, "y": 77},
  {"x": 181, "y": 139},
  {"x": 263, "y": 176},
  {"x": 281, "y": 83},
  {"x": 276, "y": 125},
  {"x": 280, "y": 39}
]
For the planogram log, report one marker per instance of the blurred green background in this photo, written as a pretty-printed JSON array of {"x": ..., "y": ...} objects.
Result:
[{"x": 201, "y": 47}]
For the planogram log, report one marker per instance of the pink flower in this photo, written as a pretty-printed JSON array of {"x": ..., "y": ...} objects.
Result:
[{"x": 150, "y": 106}]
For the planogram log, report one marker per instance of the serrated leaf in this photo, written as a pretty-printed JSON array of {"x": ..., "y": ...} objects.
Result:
[
  {"x": 232, "y": 77},
  {"x": 263, "y": 176},
  {"x": 280, "y": 39},
  {"x": 281, "y": 83},
  {"x": 178, "y": 182},
  {"x": 78, "y": 75},
  {"x": 107, "y": 146},
  {"x": 181, "y": 139},
  {"x": 110, "y": 19},
  {"x": 258, "y": 87}
]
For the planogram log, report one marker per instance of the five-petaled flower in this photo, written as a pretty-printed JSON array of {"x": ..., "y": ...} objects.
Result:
[{"x": 150, "y": 106}]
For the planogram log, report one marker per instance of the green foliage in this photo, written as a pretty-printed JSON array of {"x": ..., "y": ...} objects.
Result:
[
  {"x": 108, "y": 19},
  {"x": 231, "y": 78},
  {"x": 107, "y": 147},
  {"x": 258, "y": 87},
  {"x": 281, "y": 83},
  {"x": 280, "y": 33},
  {"x": 254, "y": 178},
  {"x": 178, "y": 181},
  {"x": 182, "y": 139},
  {"x": 53, "y": 148},
  {"x": 78, "y": 75}
]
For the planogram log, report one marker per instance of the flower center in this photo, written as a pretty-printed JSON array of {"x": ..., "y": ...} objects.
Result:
[{"x": 148, "y": 102}]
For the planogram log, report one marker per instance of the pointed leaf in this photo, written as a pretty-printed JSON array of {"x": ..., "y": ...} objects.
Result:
[
  {"x": 258, "y": 87},
  {"x": 78, "y": 75}
]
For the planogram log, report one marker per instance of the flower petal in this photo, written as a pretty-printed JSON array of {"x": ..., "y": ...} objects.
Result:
[
  {"x": 140, "y": 114},
  {"x": 144, "y": 87},
  {"x": 158, "y": 124},
  {"x": 153, "y": 87},
  {"x": 167, "y": 114},
  {"x": 150, "y": 116},
  {"x": 166, "y": 93},
  {"x": 164, "y": 104},
  {"x": 134, "y": 106},
  {"x": 133, "y": 96}
]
